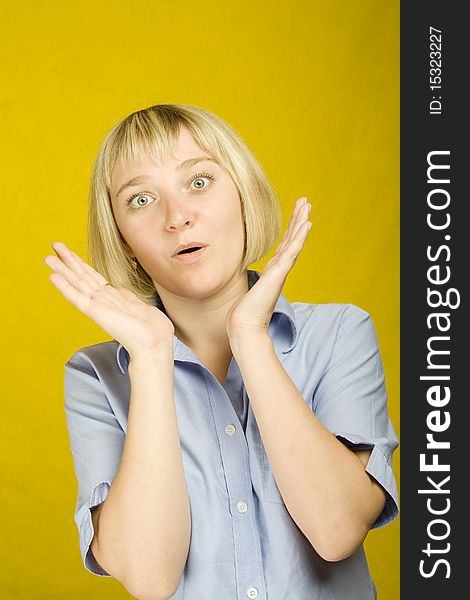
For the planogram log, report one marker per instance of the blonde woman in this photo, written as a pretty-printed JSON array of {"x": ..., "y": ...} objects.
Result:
[{"x": 228, "y": 444}]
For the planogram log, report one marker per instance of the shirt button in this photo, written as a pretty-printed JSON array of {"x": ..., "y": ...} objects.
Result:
[
  {"x": 230, "y": 429},
  {"x": 252, "y": 592},
  {"x": 242, "y": 507}
]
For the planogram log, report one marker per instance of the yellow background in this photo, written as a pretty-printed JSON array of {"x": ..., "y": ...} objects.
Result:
[{"x": 313, "y": 87}]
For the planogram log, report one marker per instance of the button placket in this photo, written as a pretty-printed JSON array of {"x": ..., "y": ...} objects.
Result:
[{"x": 235, "y": 460}]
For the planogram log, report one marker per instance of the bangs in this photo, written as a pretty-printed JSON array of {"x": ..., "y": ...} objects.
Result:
[{"x": 142, "y": 136}]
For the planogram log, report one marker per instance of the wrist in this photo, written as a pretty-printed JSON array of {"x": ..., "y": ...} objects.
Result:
[
  {"x": 243, "y": 341},
  {"x": 155, "y": 355}
]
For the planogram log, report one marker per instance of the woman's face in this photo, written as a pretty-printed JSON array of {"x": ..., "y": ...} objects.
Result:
[{"x": 173, "y": 204}]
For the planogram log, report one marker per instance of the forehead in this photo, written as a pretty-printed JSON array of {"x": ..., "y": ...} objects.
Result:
[{"x": 125, "y": 166}]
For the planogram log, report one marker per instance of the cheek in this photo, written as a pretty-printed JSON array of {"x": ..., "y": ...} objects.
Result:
[
  {"x": 232, "y": 210},
  {"x": 231, "y": 234},
  {"x": 132, "y": 227},
  {"x": 229, "y": 223}
]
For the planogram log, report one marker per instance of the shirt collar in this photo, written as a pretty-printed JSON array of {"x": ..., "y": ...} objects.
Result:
[{"x": 282, "y": 329}]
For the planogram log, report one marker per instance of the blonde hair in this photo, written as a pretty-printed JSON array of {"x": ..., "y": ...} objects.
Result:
[{"x": 153, "y": 132}]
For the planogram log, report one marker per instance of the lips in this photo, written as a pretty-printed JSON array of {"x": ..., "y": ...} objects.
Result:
[
  {"x": 188, "y": 248},
  {"x": 190, "y": 257}
]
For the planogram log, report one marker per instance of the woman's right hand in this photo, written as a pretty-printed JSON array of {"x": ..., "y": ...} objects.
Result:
[{"x": 138, "y": 326}]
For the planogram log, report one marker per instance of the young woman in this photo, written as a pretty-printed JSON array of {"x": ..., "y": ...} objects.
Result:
[{"x": 228, "y": 444}]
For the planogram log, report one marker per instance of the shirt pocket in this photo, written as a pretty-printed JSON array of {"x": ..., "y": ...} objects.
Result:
[{"x": 270, "y": 490}]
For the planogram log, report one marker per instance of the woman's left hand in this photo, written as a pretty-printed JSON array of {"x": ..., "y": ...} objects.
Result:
[{"x": 252, "y": 312}]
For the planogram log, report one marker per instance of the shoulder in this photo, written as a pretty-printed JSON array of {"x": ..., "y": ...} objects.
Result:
[
  {"x": 92, "y": 375},
  {"x": 327, "y": 310},
  {"x": 320, "y": 328},
  {"x": 97, "y": 357},
  {"x": 327, "y": 318}
]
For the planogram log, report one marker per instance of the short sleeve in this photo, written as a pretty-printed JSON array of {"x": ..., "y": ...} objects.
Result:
[
  {"x": 351, "y": 401},
  {"x": 97, "y": 442}
]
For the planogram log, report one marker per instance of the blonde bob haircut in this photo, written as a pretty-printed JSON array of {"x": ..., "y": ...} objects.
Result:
[{"x": 153, "y": 133}]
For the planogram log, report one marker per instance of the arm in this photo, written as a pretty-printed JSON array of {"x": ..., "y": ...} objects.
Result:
[
  {"x": 144, "y": 524},
  {"x": 323, "y": 483}
]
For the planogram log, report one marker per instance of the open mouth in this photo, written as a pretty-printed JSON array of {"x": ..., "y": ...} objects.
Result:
[{"x": 188, "y": 250}]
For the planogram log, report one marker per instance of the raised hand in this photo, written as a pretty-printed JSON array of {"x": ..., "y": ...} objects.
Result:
[
  {"x": 123, "y": 315},
  {"x": 253, "y": 311}
]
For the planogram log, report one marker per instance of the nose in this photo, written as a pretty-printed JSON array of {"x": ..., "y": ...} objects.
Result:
[{"x": 179, "y": 214}]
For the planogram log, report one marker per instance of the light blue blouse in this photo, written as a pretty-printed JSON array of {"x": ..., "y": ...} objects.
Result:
[{"x": 244, "y": 543}]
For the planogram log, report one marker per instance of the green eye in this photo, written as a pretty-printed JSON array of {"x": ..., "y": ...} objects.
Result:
[
  {"x": 138, "y": 197},
  {"x": 198, "y": 180}
]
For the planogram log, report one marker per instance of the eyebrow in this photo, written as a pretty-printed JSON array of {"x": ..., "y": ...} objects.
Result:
[{"x": 189, "y": 162}]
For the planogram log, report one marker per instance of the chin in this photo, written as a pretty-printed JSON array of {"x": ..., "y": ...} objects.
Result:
[
  {"x": 200, "y": 284},
  {"x": 206, "y": 282}
]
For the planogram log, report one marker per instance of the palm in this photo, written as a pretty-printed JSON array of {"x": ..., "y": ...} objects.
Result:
[
  {"x": 254, "y": 309},
  {"x": 119, "y": 312}
]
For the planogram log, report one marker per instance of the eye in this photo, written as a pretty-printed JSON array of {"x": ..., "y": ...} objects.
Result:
[
  {"x": 139, "y": 197},
  {"x": 200, "y": 184}
]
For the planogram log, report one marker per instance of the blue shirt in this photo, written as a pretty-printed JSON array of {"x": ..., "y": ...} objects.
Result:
[{"x": 244, "y": 543}]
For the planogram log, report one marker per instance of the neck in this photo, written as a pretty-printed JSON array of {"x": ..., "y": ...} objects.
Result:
[{"x": 200, "y": 323}]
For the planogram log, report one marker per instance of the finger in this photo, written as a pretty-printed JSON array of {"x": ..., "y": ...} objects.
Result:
[
  {"x": 100, "y": 279},
  {"x": 69, "y": 267},
  {"x": 77, "y": 264},
  {"x": 78, "y": 298},
  {"x": 287, "y": 233},
  {"x": 298, "y": 217},
  {"x": 302, "y": 217},
  {"x": 101, "y": 308},
  {"x": 285, "y": 260},
  {"x": 68, "y": 274},
  {"x": 79, "y": 274},
  {"x": 77, "y": 290},
  {"x": 293, "y": 249},
  {"x": 296, "y": 220}
]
